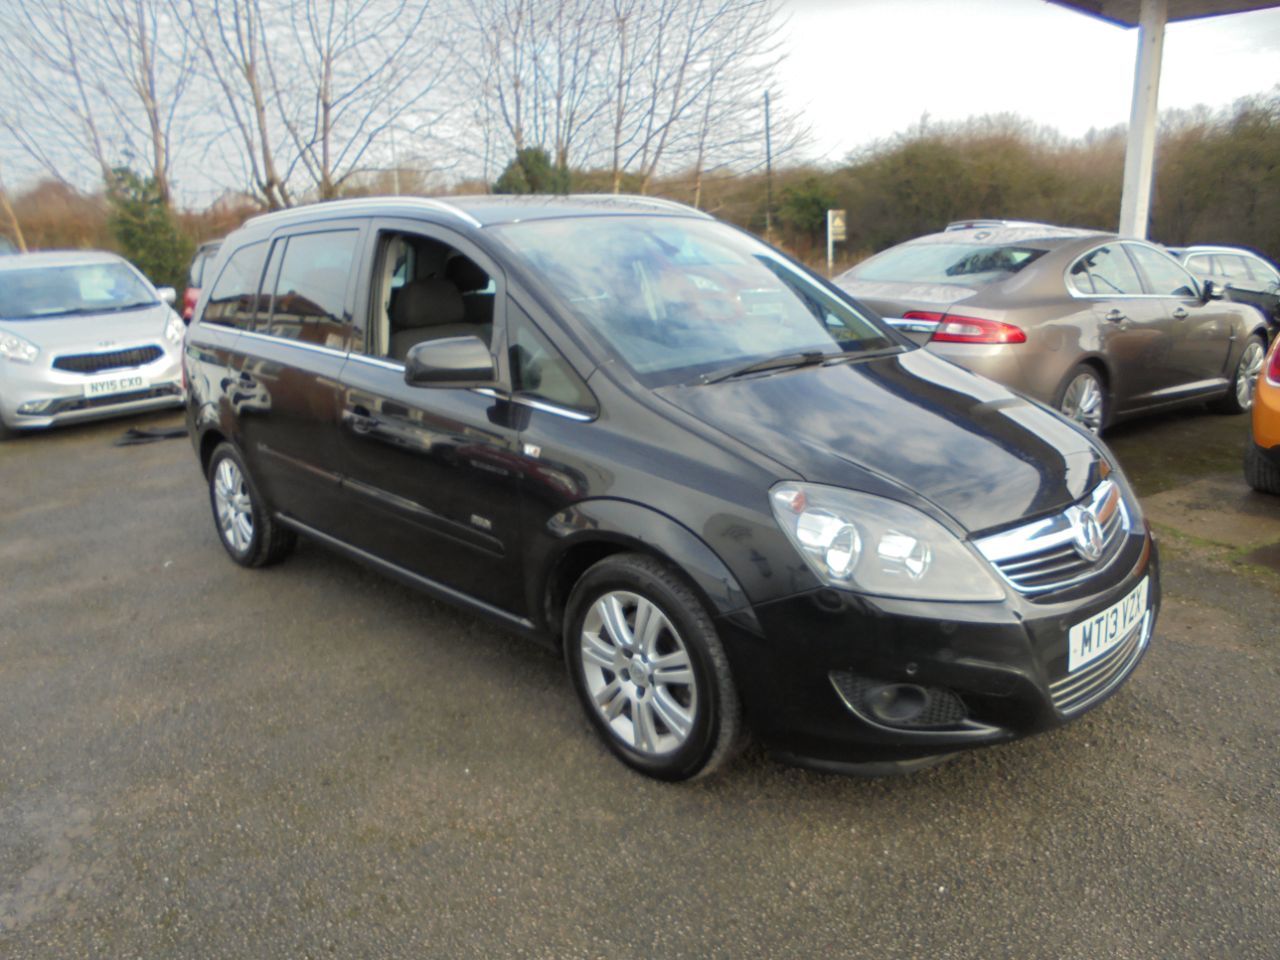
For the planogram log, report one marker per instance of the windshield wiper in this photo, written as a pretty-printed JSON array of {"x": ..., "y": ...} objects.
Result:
[
  {"x": 83, "y": 311},
  {"x": 786, "y": 361}
]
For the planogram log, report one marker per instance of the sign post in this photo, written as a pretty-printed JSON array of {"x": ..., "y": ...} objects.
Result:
[{"x": 836, "y": 232}]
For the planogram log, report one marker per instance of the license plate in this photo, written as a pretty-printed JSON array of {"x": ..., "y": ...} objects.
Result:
[
  {"x": 1092, "y": 638},
  {"x": 98, "y": 388}
]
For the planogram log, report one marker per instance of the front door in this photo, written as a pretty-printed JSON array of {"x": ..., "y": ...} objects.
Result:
[{"x": 432, "y": 476}]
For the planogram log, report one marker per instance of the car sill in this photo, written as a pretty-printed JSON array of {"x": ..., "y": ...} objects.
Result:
[{"x": 427, "y": 585}]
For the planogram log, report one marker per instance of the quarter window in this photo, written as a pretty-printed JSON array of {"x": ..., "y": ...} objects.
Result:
[
  {"x": 539, "y": 371},
  {"x": 1164, "y": 275},
  {"x": 1105, "y": 272},
  {"x": 233, "y": 302},
  {"x": 309, "y": 301},
  {"x": 1261, "y": 271}
]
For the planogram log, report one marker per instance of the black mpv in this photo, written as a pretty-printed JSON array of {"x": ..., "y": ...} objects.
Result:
[{"x": 734, "y": 498}]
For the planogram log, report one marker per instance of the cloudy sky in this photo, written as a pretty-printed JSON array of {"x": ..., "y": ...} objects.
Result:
[{"x": 861, "y": 70}]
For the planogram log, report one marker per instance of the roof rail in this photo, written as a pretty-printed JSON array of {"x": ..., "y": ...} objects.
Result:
[{"x": 365, "y": 202}]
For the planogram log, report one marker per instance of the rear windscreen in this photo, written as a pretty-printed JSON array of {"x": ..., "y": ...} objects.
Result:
[{"x": 965, "y": 264}]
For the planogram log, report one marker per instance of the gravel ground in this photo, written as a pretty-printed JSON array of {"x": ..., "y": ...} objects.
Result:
[{"x": 202, "y": 761}]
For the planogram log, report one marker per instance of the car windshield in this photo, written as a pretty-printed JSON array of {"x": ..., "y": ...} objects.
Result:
[
  {"x": 963, "y": 264},
  {"x": 677, "y": 299},
  {"x": 39, "y": 292}
]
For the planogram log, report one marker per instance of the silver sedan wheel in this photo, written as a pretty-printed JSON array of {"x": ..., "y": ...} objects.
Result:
[
  {"x": 233, "y": 506},
  {"x": 638, "y": 673},
  {"x": 1247, "y": 373},
  {"x": 1082, "y": 401}
]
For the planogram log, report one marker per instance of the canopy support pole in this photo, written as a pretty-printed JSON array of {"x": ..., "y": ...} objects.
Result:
[{"x": 1139, "y": 157}]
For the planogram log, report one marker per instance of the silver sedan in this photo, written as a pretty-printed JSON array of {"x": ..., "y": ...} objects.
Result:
[{"x": 84, "y": 335}]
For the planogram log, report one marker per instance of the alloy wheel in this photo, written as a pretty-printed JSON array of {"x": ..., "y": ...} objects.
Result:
[
  {"x": 233, "y": 505},
  {"x": 1082, "y": 402},
  {"x": 638, "y": 673},
  {"x": 1247, "y": 373}
]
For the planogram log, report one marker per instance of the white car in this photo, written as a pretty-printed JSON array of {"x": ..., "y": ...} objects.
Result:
[{"x": 84, "y": 335}]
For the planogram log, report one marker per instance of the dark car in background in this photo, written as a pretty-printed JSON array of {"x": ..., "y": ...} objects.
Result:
[
  {"x": 1242, "y": 274},
  {"x": 195, "y": 276},
  {"x": 1095, "y": 326},
  {"x": 729, "y": 495}
]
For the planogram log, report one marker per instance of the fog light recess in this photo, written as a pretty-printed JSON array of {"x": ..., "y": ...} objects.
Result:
[{"x": 908, "y": 706}]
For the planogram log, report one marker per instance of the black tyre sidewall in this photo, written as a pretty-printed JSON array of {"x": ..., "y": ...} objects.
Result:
[
  {"x": 697, "y": 750},
  {"x": 251, "y": 555}
]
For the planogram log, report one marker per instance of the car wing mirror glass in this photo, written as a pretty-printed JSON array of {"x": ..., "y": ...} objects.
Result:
[{"x": 463, "y": 362}]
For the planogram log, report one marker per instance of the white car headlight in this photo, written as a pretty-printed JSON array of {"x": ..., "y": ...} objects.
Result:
[
  {"x": 855, "y": 541},
  {"x": 174, "y": 328},
  {"x": 13, "y": 347}
]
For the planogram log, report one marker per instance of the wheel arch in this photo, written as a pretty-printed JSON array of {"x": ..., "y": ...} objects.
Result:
[{"x": 584, "y": 534}]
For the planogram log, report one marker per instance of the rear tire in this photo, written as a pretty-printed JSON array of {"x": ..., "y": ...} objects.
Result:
[
  {"x": 1259, "y": 472},
  {"x": 1239, "y": 395},
  {"x": 649, "y": 669},
  {"x": 250, "y": 535},
  {"x": 1082, "y": 398}
]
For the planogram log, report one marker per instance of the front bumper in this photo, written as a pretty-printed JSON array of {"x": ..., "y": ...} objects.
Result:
[
  {"x": 993, "y": 672},
  {"x": 34, "y": 396}
]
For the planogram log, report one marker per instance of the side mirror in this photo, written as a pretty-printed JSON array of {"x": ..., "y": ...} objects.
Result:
[
  {"x": 1210, "y": 291},
  {"x": 168, "y": 295},
  {"x": 451, "y": 362}
]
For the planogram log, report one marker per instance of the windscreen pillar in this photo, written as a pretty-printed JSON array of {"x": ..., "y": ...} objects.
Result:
[{"x": 1139, "y": 157}]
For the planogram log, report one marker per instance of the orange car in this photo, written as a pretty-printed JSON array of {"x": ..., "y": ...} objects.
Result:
[{"x": 1262, "y": 456}]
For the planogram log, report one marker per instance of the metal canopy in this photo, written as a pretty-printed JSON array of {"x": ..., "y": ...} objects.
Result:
[
  {"x": 1150, "y": 16},
  {"x": 1126, "y": 12}
]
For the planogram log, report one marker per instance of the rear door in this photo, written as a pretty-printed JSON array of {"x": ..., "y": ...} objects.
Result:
[
  {"x": 1201, "y": 331},
  {"x": 286, "y": 385},
  {"x": 433, "y": 476},
  {"x": 1134, "y": 331}
]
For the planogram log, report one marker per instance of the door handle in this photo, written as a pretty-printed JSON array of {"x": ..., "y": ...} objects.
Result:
[
  {"x": 359, "y": 419},
  {"x": 1180, "y": 314},
  {"x": 1114, "y": 316}
]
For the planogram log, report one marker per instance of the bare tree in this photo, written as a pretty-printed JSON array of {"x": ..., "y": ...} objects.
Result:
[
  {"x": 231, "y": 38},
  {"x": 9, "y": 215},
  {"x": 94, "y": 81},
  {"x": 367, "y": 69}
]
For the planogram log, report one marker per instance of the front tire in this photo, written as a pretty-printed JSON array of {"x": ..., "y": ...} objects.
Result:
[
  {"x": 1239, "y": 396},
  {"x": 1082, "y": 398},
  {"x": 649, "y": 669},
  {"x": 250, "y": 535}
]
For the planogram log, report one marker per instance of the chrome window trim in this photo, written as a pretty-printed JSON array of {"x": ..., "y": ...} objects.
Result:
[
  {"x": 300, "y": 344},
  {"x": 376, "y": 361},
  {"x": 567, "y": 413}
]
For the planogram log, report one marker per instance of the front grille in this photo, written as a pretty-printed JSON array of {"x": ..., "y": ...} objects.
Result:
[
  {"x": 115, "y": 360},
  {"x": 1078, "y": 690},
  {"x": 1048, "y": 555}
]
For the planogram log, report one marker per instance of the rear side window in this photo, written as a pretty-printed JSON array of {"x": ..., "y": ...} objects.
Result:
[
  {"x": 309, "y": 301},
  {"x": 1262, "y": 271},
  {"x": 1201, "y": 265},
  {"x": 233, "y": 302},
  {"x": 1105, "y": 272},
  {"x": 1164, "y": 276}
]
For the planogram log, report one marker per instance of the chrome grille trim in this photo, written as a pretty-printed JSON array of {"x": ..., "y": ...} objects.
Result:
[
  {"x": 1044, "y": 555},
  {"x": 1090, "y": 683}
]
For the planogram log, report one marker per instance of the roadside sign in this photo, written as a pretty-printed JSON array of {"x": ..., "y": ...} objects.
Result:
[{"x": 836, "y": 233}]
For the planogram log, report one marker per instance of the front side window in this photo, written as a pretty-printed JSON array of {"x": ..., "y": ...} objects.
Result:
[
  {"x": 1232, "y": 267},
  {"x": 1105, "y": 272},
  {"x": 40, "y": 293},
  {"x": 309, "y": 296},
  {"x": 674, "y": 299},
  {"x": 1165, "y": 276},
  {"x": 233, "y": 301}
]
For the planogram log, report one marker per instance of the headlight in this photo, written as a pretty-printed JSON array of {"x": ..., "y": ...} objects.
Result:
[
  {"x": 872, "y": 545},
  {"x": 13, "y": 347},
  {"x": 174, "y": 328}
]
